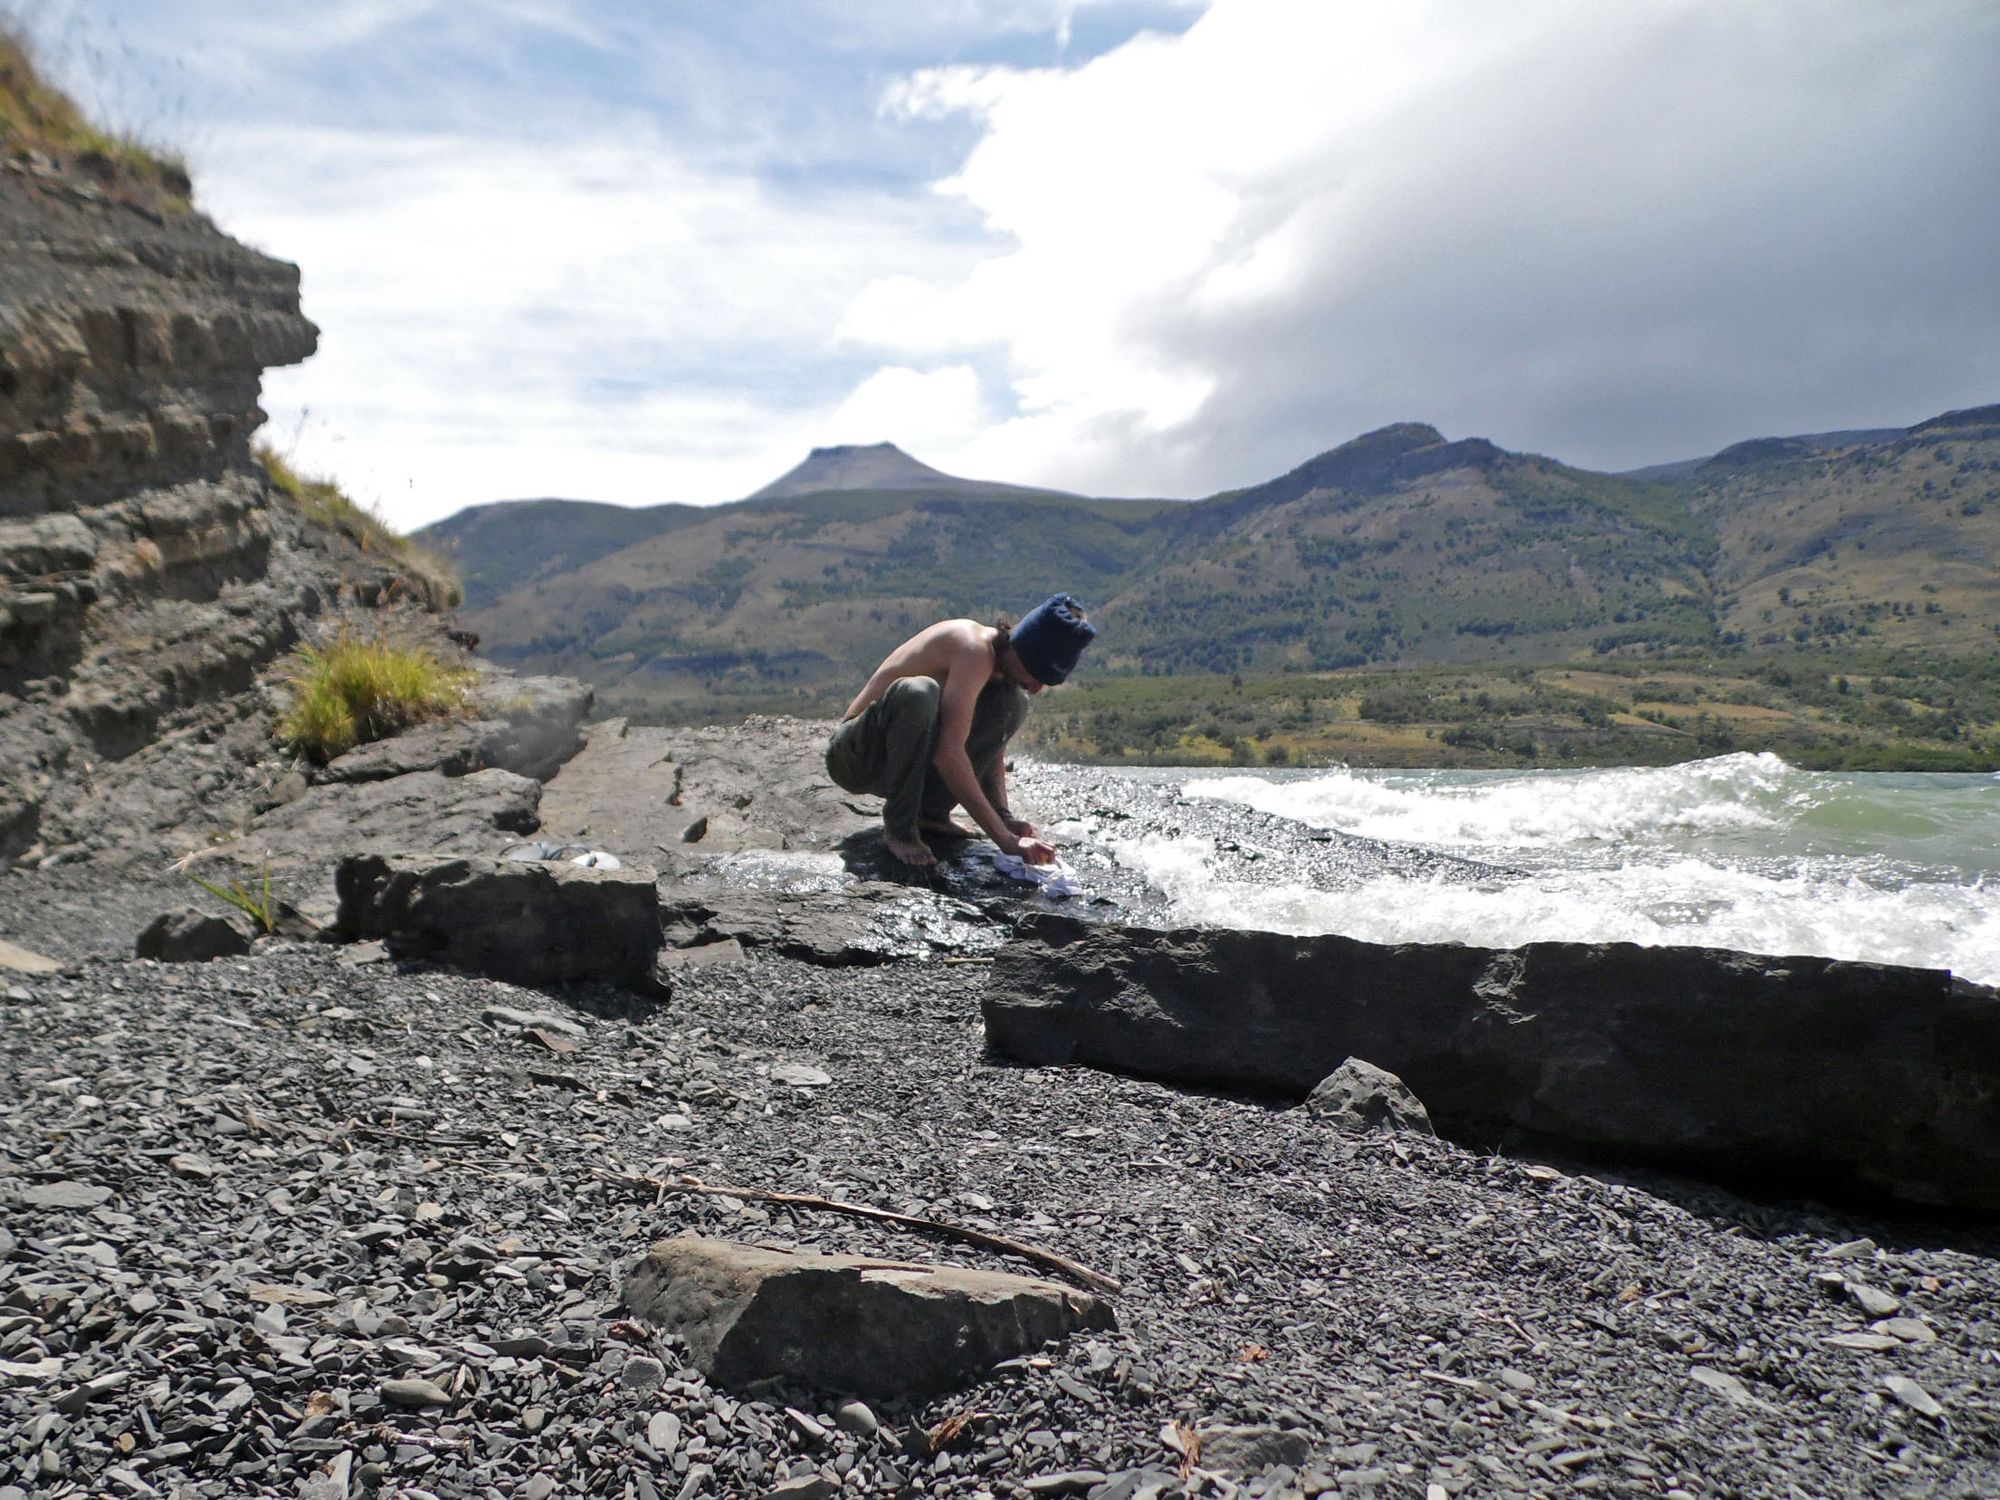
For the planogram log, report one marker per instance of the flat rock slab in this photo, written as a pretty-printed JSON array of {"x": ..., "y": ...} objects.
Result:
[
  {"x": 1774, "y": 1071},
  {"x": 451, "y": 747},
  {"x": 866, "y": 923},
  {"x": 846, "y": 1322},
  {"x": 18, "y": 960},
  {"x": 524, "y": 921},
  {"x": 639, "y": 791}
]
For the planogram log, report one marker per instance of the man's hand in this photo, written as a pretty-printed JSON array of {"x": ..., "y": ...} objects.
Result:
[
  {"x": 1021, "y": 828},
  {"x": 1034, "y": 851}
]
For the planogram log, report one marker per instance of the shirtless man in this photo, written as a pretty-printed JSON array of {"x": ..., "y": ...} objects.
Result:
[{"x": 929, "y": 730}]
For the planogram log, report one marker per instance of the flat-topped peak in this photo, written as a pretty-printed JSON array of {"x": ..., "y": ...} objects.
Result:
[
  {"x": 873, "y": 466},
  {"x": 854, "y": 466}
]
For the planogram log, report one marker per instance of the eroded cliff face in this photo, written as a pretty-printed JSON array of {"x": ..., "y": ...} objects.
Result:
[{"x": 148, "y": 569}]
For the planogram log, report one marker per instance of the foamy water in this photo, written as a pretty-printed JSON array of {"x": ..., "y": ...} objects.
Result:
[{"x": 1742, "y": 851}]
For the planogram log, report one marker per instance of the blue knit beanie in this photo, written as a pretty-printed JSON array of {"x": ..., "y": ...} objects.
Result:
[{"x": 1051, "y": 636}]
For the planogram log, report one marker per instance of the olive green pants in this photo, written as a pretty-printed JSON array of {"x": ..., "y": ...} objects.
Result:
[{"x": 886, "y": 749}]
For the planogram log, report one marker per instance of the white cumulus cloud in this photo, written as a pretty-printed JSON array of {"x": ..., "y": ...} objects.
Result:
[{"x": 1620, "y": 233}]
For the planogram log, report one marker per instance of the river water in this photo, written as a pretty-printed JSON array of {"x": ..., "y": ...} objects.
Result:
[{"x": 1742, "y": 851}]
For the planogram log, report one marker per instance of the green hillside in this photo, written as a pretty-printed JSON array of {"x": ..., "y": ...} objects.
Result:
[
  {"x": 497, "y": 548},
  {"x": 1450, "y": 566}
]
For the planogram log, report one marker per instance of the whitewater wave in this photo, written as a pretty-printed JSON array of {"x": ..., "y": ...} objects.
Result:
[
  {"x": 1741, "y": 851},
  {"x": 1535, "y": 809}
]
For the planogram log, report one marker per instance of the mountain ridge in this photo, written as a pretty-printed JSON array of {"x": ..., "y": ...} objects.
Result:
[{"x": 1400, "y": 547}]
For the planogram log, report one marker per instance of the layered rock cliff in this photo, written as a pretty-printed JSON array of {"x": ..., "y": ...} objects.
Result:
[{"x": 148, "y": 569}]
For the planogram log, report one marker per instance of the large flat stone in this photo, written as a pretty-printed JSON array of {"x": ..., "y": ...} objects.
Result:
[
  {"x": 845, "y": 1322},
  {"x": 529, "y": 922},
  {"x": 1787, "y": 1073},
  {"x": 869, "y": 922}
]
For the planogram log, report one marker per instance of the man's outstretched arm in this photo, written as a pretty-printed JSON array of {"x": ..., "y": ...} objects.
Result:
[{"x": 970, "y": 670}]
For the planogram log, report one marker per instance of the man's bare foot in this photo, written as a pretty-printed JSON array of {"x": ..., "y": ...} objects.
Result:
[
  {"x": 948, "y": 829},
  {"x": 910, "y": 851}
]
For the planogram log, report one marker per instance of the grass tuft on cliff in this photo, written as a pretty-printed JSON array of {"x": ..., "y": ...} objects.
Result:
[
  {"x": 37, "y": 116},
  {"x": 425, "y": 576},
  {"x": 357, "y": 690}
]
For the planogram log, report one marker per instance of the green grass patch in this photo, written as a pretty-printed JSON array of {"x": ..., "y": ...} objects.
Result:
[
  {"x": 424, "y": 575},
  {"x": 258, "y": 904},
  {"x": 37, "y": 116},
  {"x": 355, "y": 690}
]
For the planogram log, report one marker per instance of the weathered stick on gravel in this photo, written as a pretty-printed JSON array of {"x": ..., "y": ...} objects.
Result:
[{"x": 1097, "y": 1281}]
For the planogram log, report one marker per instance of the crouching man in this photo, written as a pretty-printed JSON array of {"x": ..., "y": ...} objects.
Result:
[{"x": 929, "y": 730}]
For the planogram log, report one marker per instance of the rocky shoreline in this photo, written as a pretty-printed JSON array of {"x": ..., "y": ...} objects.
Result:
[{"x": 316, "y": 1221}]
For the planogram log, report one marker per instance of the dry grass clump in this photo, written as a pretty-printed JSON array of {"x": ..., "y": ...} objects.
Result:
[
  {"x": 37, "y": 116},
  {"x": 425, "y": 576},
  {"x": 357, "y": 690}
]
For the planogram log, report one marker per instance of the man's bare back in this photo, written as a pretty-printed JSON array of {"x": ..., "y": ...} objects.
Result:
[
  {"x": 935, "y": 652},
  {"x": 962, "y": 657}
]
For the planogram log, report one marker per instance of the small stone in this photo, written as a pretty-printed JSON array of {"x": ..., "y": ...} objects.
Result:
[
  {"x": 1251, "y": 1450},
  {"x": 1358, "y": 1096},
  {"x": 1850, "y": 1249},
  {"x": 1908, "y": 1330},
  {"x": 1515, "y": 1380},
  {"x": 856, "y": 1417},
  {"x": 414, "y": 1393},
  {"x": 1913, "y": 1395},
  {"x": 534, "y": 1020},
  {"x": 642, "y": 1373},
  {"x": 534, "y": 1419},
  {"x": 65, "y": 1195},
  {"x": 806, "y": 1426},
  {"x": 805, "y": 1487},
  {"x": 539, "y": 1488},
  {"x": 190, "y": 936},
  {"x": 1872, "y": 1300},
  {"x": 1724, "y": 1385},
  {"x": 663, "y": 1433},
  {"x": 77, "y": 1398},
  {"x": 1069, "y": 1482},
  {"x": 187, "y": 1164},
  {"x": 1867, "y": 1343},
  {"x": 800, "y": 1076}
]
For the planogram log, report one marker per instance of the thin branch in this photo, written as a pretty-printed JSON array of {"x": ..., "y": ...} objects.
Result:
[{"x": 1097, "y": 1281}]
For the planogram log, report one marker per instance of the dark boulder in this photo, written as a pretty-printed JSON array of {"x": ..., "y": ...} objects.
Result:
[
  {"x": 528, "y": 922},
  {"x": 847, "y": 1322},
  {"x": 1787, "y": 1073},
  {"x": 191, "y": 937}
]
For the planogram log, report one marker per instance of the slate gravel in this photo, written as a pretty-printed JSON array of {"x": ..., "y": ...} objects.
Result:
[{"x": 289, "y": 1225}]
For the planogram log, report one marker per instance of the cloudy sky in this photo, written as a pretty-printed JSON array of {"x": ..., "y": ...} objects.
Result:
[{"x": 641, "y": 251}]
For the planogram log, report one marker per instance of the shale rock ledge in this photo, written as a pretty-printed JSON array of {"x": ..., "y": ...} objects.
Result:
[{"x": 1787, "y": 1074}]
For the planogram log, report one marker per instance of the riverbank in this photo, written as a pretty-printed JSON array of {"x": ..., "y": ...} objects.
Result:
[{"x": 249, "y": 1195}]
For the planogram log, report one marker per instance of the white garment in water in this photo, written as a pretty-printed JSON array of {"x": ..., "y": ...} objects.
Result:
[{"x": 1056, "y": 879}]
